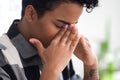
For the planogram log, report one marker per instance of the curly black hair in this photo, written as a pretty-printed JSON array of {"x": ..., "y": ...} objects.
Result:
[{"x": 41, "y": 6}]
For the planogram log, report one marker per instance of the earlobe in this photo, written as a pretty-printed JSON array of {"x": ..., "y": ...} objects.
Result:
[{"x": 29, "y": 13}]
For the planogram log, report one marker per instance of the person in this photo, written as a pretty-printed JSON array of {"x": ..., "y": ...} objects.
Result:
[{"x": 40, "y": 45}]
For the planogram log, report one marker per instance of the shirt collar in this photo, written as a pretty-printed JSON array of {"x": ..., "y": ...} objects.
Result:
[{"x": 22, "y": 45}]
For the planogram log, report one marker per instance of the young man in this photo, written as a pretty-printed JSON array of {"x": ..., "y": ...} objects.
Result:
[{"x": 40, "y": 45}]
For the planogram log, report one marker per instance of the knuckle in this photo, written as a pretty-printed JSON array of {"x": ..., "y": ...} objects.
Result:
[
  {"x": 62, "y": 44},
  {"x": 54, "y": 42},
  {"x": 71, "y": 38},
  {"x": 66, "y": 35},
  {"x": 73, "y": 44}
]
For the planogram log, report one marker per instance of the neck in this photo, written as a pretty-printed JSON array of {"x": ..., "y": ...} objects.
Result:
[{"x": 23, "y": 28}]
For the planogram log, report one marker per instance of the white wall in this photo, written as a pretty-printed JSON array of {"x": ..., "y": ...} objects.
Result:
[{"x": 9, "y": 10}]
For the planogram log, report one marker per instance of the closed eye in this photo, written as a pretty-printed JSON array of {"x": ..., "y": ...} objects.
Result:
[{"x": 59, "y": 26}]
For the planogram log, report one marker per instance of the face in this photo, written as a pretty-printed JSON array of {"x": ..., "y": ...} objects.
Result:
[{"x": 48, "y": 26}]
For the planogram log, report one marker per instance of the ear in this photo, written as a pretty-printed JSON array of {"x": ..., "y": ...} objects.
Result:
[{"x": 30, "y": 13}]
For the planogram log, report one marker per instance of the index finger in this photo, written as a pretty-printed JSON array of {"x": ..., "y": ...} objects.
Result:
[{"x": 61, "y": 33}]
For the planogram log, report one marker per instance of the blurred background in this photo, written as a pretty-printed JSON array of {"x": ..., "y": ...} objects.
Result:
[{"x": 101, "y": 27}]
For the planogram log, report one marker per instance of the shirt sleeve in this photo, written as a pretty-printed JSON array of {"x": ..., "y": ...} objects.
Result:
[
  {"x": 4, "y": 75},
  {"x": 75, "y": 77}
]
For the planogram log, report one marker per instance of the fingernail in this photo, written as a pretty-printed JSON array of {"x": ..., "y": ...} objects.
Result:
[
  {"x": 72, "y": 24},
  {"x": 31, "y": 40},
  {"x": 74, "y": 28},
  {"x": 66, "y": 26}
]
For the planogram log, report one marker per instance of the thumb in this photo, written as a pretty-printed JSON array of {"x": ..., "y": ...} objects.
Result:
[
  {"x": 85, "y": 42},
  {"x": 39, "y": 46}
]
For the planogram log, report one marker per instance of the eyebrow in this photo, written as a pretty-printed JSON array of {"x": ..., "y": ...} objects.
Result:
[{"x": 65, "y": 22}]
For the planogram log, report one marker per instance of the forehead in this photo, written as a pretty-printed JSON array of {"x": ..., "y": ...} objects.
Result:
[{"x": 67, "y": 11}]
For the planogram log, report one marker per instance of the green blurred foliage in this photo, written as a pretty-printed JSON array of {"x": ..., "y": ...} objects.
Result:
[{"x": 104, "y": 46}]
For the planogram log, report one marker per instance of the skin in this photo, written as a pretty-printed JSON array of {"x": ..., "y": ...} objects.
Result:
[{"x": 57, "y": 44}]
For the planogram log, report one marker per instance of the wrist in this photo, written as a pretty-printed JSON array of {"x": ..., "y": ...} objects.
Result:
[
  {"x": 49, "y": 73},
  {"x": 91, "y": 71},
  {"x": 50, "y": 70},
  {"x": 91, "y": 62}
]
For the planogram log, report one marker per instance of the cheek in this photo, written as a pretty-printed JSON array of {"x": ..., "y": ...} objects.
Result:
[
  {"x": 50, "y": 31},
  {"x": 45, "y": 32}
]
